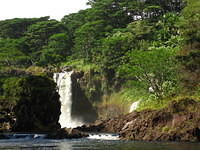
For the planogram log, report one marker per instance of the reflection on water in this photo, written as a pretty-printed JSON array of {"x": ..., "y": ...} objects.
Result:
[{"x": 88, "y": 144}]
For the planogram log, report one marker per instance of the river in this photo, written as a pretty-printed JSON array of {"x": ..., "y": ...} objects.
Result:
[{"x": 91, "y": 144}]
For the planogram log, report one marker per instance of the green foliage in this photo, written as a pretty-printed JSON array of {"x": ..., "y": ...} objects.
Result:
[
  {"x": 80, "y": 64},
  {"x": 75, "y": 21},
  {"x": 165, "y": 5},
  {"x": 111, "y": 11},
  {"x": 35, "y": 97},
  {"x": 38, "y": 34},
  {"x": 141, "y": 30},
  {"x": 86, "y": 38},
  {"x": 115, "y": 47},
  {"x": 144, "y": 42},
  {"x": 15, "y": 28},
  {"x": 134, "y": 93},
  {"x": 155, "y": 67},
  {"x": 58, "y": 48},
  {"x": 197, "y": 92},
  {"x": 11, "y": 54},
  {"x": 190, "y": 24},
  {"x": 191, "y": 8},
  {"x": 10, "y": 88},
  {"x": 168, "y": 26}
]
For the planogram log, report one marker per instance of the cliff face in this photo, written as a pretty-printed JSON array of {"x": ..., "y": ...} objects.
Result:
[
  {"x": 180, "y": 121},
  {"x": 93, "y": 85},
  {"x": 82, "y": 107},
  {"x": 96, "y": 89}
]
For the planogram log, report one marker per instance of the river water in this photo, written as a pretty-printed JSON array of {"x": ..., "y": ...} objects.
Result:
[{"x": 92, "y": 143}]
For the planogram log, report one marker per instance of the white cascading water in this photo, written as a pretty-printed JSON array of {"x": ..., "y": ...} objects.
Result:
[
  {"x": 134, "y": 106},
  {"x": 64, "y": 84}
]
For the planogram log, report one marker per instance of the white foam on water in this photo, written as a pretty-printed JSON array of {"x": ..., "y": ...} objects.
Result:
[
  {"x": 103, "y": 136},
  {"x": 26, "y": 136}
]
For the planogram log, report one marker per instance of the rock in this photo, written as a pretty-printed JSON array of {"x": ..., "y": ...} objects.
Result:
[
  {"x": 66, "y": 133},
  {"x": 7, "y": 118},
  {"x": 14, "y": 72},
  {"x": 5, "y": 127},
  {"x": 174, "y": 123},
  {"x": 38, "y": 107},
  {"x": 77, "y": 74},
  {"x": 3, "y": 136},
  {"x": 66, "y": 68},
  {"x": 94, "y": 127},
  {"x": 81, "y": 108},
  {"x": 180, "y": 121}
]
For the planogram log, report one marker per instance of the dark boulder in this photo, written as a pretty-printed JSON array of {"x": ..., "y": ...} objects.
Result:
[
  {"x": 66, "y": 133},
  {"x": 3, "y": 136},
  {"x": 37, "y": 105}
]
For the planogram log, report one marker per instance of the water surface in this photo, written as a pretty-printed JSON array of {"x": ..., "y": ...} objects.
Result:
[{"x": 92, "y": 144}]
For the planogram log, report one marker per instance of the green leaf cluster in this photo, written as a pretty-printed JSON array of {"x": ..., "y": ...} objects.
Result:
[{"x": 155, "y": 42}]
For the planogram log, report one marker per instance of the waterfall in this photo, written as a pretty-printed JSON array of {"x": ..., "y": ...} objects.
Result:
[
  {"x": 134, "y": 106},
  {"x": 64, "y": 84}
]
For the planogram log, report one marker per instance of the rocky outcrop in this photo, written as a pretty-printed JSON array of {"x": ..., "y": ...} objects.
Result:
[
  {"x": 180, "y": 121},
  {"x": 93, "y": 84},
  {"x": 13, "y": 72},
  {"x": 37, "y": 107},
  {"x": 66, "y": 133}
]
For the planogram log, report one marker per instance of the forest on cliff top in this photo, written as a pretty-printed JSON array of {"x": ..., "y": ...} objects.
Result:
[{"x": 143, "y": 49}]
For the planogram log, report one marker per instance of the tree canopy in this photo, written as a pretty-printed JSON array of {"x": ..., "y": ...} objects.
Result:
[{"x": 121, "y": 38}]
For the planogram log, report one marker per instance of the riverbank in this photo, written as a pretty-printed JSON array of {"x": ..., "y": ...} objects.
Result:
[{"x": 180, "y": 121}]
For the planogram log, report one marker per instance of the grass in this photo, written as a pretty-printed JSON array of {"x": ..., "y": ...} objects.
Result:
[
  {"x": 154, "y": 104},
  {"x": 80, "y": 65}
]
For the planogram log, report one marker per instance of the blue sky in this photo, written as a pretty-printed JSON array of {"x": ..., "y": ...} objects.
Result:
[{"x": 56, "y": 9}]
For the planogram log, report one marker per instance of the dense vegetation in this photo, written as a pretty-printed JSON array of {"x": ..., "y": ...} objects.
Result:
[
  {"x": 30, "y": 99},
  {"x": 141, "y": 49}
]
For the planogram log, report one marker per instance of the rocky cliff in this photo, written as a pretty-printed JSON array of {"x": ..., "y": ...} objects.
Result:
[{"x": 180, "y": 121}]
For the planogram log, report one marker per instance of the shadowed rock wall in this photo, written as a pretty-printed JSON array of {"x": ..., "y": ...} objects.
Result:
[{"x": 81, "y": 106}]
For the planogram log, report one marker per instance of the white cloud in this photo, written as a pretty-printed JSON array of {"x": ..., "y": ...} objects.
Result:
[{"x": 38, "y": 8}]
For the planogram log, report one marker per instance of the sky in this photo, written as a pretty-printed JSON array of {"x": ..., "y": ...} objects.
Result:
[{"x": 56, "y": 9}]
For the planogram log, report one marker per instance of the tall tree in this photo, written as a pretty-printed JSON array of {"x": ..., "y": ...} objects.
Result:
[
  {"x": 38, "y": 34},
  {"x": 15, "y": 28}
]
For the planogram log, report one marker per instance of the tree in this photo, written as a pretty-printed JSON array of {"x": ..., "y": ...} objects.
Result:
[
  {"x": 155, "y": 67},
  {"x": 38, "y": 34},
  {"x": 166, "y": 5},
  {"x": 15, "y": 28},
  {"x": 113, "y": 12},
  {"x": 168, "y": 26},
  {"x": 86, "y": 39},
  {"x": 58, "y": 48},
  {"x": 191, "y": 25},
  {"x": 11, "y": 54},
  {"x": 114, "y": 48},
  {"x": 141, "y": 30},
  {"x": 75, "y": 20}
]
